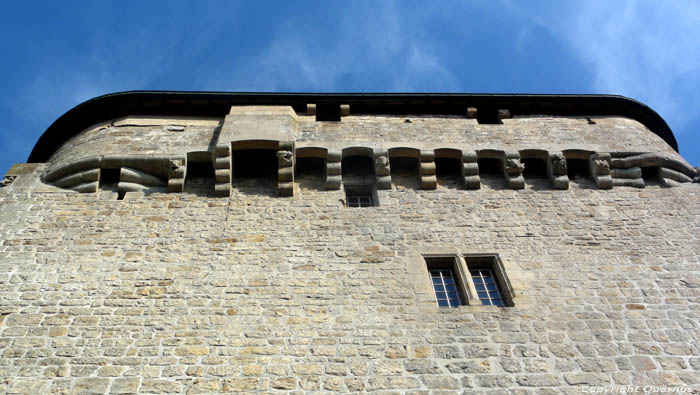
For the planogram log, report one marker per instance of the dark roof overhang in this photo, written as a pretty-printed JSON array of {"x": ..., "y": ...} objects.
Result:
[{"x": 218, "y": 104}]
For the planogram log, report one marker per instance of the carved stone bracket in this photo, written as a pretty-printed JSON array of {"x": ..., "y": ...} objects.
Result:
[
  {"x": 513, "y": 170},
  {"x": 176, "y": 174},
  {"x": 599, "y": 166},
  {"x": 333, "y": 170},
  {"x": 285, "y": 169},
  {"x": 7, "y": 181},
  {"x": 131, "y": 180},
  {"x": 470, "y": 170},
  {"x": 382, "y": 168},
  {"x": 557, "y": 170},
  {"x": 222, "y": 170},
  {"x": 428, "y": 179},
  {"x": 627, "y": 170}
]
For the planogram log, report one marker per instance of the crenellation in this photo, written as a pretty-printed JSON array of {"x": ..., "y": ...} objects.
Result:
[{"x": 234, "y": 263}]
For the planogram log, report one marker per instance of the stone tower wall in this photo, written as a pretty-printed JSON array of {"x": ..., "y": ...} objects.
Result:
[{"x": 186, "y": 292}]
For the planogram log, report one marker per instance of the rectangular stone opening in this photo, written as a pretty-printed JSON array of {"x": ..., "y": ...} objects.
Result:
[
  {"x": 328, "y": 112},
  {"x": 448, "y": 171},
  {"x": 535, "y": 168},
  {"x": 199, "y": 176},
  {"x": 651, "y": 175},
  {"x": 488, "y": 116},
  {"x": 577, "y": 168},
  {"x": 490, "y": 167},
  {"x": 109, "y": 179},
  {"x": 310, "y": 172},
  {"x": 358, "y": 170},
  {"x": 258, "y": 164},
  {"x": 404, "y": 171}
]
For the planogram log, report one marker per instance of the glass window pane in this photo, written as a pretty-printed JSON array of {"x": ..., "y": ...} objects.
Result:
[{"x": 443, "y": 303}]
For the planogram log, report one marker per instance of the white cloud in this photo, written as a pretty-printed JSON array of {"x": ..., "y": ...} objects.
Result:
[
  {"x": 647, "y": 50},
  {"x": 372, "y": 45}
]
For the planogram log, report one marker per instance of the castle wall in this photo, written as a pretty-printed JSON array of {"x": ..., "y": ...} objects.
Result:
[{"x": 188, "y": 293}]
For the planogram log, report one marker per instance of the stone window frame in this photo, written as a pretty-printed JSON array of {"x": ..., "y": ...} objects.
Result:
[
  {"x": 493, "y": 263},
  {"x": 368, "y": 190},
  {"x": 460, "y": 265}
]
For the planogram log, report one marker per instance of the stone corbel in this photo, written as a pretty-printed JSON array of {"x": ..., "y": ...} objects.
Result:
[
  {"x": 470, "y": 170},
  {"x": 222, "y": 170},
  {"x": 382, "y": 168},
  {"x": 131, "y": 180},
  {"x": 503, "y": 114},
  {"x": 285, "y": 168},
  {"x": 629, "y": 177},
  {"x": 310, "y": 109},
  {"x": 428, "y": 179},
  {"x": 333, "y": 170},
  {"x": 513, "y": 170},
  {"x": 81, "y": 175},
  {"x": 176, "y": 174},
  {"x": 672, "y": 170},
  {"x": 557, "y": 170},
  {"x": 599, "y": 167}
]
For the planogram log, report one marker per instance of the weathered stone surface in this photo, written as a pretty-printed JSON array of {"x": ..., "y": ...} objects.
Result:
[{"x": 250, "y": 293}]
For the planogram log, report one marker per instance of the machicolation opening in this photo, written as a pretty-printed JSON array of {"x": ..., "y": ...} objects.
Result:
[
  {"x": 405, "y": 171},
  {"x": 199, "y": 177},
  {"x": 651, "y": 175},
  {"x": 358, "y": 170},
  {"x": 310, "y": 172},
  {"x": 448, "y": 172},
  {"x": 535, "y": 168},
  {"x": 255, "y": 167},
  {"x": 577, "y": 169},
  {"x": 109, "y": 179}
]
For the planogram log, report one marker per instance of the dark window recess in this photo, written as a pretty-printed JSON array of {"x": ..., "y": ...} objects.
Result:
[
  {"x": 404, "y": 167},
  {"x": 255, "y": 163},
  {"x": 405, "y": 171},
  {"x": 109, "y": 178},
  {"x": 358, "y": 170},
  {"x": 486, "y": 286},
  {"x": 199, "y": 170},
  {"x": 488, "y": 116},
  {"x": 651, "y": 175},
  {"x": 577, "y": 168},
  {"x": 360, "y": 197},
  {"x": 490, "y": 167},
  {"x": 120, "y": 195},
  {"x": 310, "y": 167},
  {"x": 447, "y": 167},
  {"x": 199, "y": 177},
  {"x": 328, "y": 112},
  {"x": 534, "y": 168}
]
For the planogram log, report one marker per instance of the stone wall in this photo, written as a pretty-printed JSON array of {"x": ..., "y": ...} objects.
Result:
[{"x": 187, "y": 293}]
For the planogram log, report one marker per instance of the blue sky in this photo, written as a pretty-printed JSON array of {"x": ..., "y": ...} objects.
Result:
[{"x": 59, "y": 54}]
